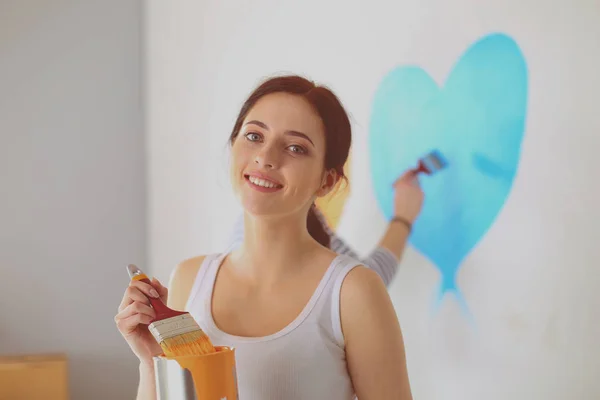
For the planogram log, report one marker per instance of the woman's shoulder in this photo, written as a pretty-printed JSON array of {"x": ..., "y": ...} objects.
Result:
[
  {"x": 372, "y": 337},
  {"x": 182, "y": 280},
  {"x": 363, "y": 293},
  {"x": 362, "y": 281}
]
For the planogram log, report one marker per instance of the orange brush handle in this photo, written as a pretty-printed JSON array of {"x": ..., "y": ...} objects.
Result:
[{"x": 162, "y": 311}]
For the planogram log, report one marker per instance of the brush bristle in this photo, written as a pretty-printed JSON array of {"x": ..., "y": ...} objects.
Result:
[
  {"x": 435, "y": 161},
  {"x": 194, "y": 343}
]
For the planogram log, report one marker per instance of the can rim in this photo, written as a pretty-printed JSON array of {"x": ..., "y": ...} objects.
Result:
[{"x": 220, "y": 350}]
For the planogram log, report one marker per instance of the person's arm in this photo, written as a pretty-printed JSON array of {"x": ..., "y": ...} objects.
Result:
[
  {"x": 395, "y": 238},
  {"x": 147, "y": 386},
  {"x": 384, "y": 259},
  {"x": 408, "y": 200},
  {"x": 180, "y": 285},
  {"x": 375, "y": 352}
]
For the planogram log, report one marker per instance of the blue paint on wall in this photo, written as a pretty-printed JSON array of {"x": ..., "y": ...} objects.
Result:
[{"x": 477, "y": 121}]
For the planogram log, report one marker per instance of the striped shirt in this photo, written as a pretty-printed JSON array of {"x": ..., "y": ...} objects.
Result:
[{"x": 381, "y": 260}]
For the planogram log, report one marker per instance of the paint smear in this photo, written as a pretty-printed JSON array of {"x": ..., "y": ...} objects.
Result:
[{"x": 477, "y": 121}]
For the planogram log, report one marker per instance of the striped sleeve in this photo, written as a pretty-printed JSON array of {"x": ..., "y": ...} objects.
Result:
[
  {"x": 339, "y": 246},
  {"x": 383, "y": 261},
  {"x": 380, "y": 260}
]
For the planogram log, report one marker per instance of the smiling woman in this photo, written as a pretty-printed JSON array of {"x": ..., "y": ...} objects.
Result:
[
  {"x": 300, "y": 141},
  {"x": 306, "y": 322}
]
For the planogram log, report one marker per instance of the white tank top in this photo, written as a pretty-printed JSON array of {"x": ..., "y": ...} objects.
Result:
[{"x": 306, "y": 360}]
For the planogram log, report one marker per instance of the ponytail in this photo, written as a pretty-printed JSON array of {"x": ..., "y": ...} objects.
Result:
[{"x": 316, "y": 228}]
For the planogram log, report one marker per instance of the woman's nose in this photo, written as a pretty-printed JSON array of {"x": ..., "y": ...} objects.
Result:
[{"x": 266, "y": 158}]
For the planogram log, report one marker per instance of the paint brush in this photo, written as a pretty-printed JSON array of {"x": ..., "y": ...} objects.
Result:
[
  {"x": 432, "y": 162},
  {"x": 177, "y": 332}
]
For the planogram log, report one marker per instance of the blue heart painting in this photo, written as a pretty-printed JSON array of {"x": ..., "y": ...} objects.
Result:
[{"x": 477, "y": 121}]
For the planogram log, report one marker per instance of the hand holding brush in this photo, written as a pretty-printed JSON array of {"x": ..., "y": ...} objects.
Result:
[
  {"x": 176, "y": 332},
  {"x": 408, "y": 194},
  {"x": 134, "y": 315}
]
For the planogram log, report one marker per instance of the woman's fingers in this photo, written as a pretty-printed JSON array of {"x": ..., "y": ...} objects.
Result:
[
  {"x": 409, "y": 176},
  {"x": 131, "y": 323},
  {"x": 134, "y": 314},
  {"x": 132, "y": 294},
  {"x": 145, "y": 288},
  {"x": 136, "y": 308},
  {"x": 163, "y": 292}
]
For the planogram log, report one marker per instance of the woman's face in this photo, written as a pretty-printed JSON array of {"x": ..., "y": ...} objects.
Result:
[{"x": 278, "y": 156}]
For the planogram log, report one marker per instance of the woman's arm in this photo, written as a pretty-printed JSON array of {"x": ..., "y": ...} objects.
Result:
[
  {"x": 374, "y": 345},
  {"x": 147, "y": 385},
  {"x": 180, "y": 285},
  {"x": 385, "y": 258}
]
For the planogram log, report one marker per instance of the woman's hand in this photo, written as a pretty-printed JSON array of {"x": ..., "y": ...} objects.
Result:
[
  {"x": 408, "y": 196},
  {"x": 135, "y": 313}
]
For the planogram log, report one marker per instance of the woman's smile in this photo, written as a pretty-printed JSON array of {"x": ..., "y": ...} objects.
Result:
[{"x": 262, "y": 183}]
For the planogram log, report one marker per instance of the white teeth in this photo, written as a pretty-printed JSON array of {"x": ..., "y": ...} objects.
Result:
[{"x": 261, "y": 182}]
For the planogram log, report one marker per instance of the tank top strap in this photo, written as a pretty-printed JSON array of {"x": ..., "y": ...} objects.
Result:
[
  {"x": 325, "y": 309},
  {"x": 203, "y": 283},
  {"x": 328, "y": 309}
]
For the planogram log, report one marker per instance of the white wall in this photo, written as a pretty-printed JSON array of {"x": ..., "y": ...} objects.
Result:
[
  {"x": 532, "y": 288},
  {"x": 72, "y": 209}
]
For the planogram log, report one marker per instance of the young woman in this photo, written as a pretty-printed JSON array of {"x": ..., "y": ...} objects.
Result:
[
  {"x": 307, "y": 323},
  {"x": 384, "y": 259}
]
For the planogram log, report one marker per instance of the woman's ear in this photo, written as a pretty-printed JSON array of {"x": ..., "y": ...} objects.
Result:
[{"x": 328, "y": 183}]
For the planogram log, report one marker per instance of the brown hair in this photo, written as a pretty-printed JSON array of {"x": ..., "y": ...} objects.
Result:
[{"x": 338, "y": 134}]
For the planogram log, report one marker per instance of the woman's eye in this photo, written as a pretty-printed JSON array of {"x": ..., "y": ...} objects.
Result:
[
  {"x": 252, "y": 136},
  {"x": 297, "y": 149}
]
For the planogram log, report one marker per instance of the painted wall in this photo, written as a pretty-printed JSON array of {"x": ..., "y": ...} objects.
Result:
[
  {"x": 72, "y": 209},
  {"x": 530, "y": 282}
]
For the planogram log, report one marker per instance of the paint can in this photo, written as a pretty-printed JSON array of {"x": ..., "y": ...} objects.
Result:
[
  {"x": 206, "y": 377},
  {"x": 172, "y": 381}
]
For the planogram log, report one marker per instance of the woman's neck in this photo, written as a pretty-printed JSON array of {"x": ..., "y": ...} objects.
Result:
[{"x": 273, "y": 246}]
